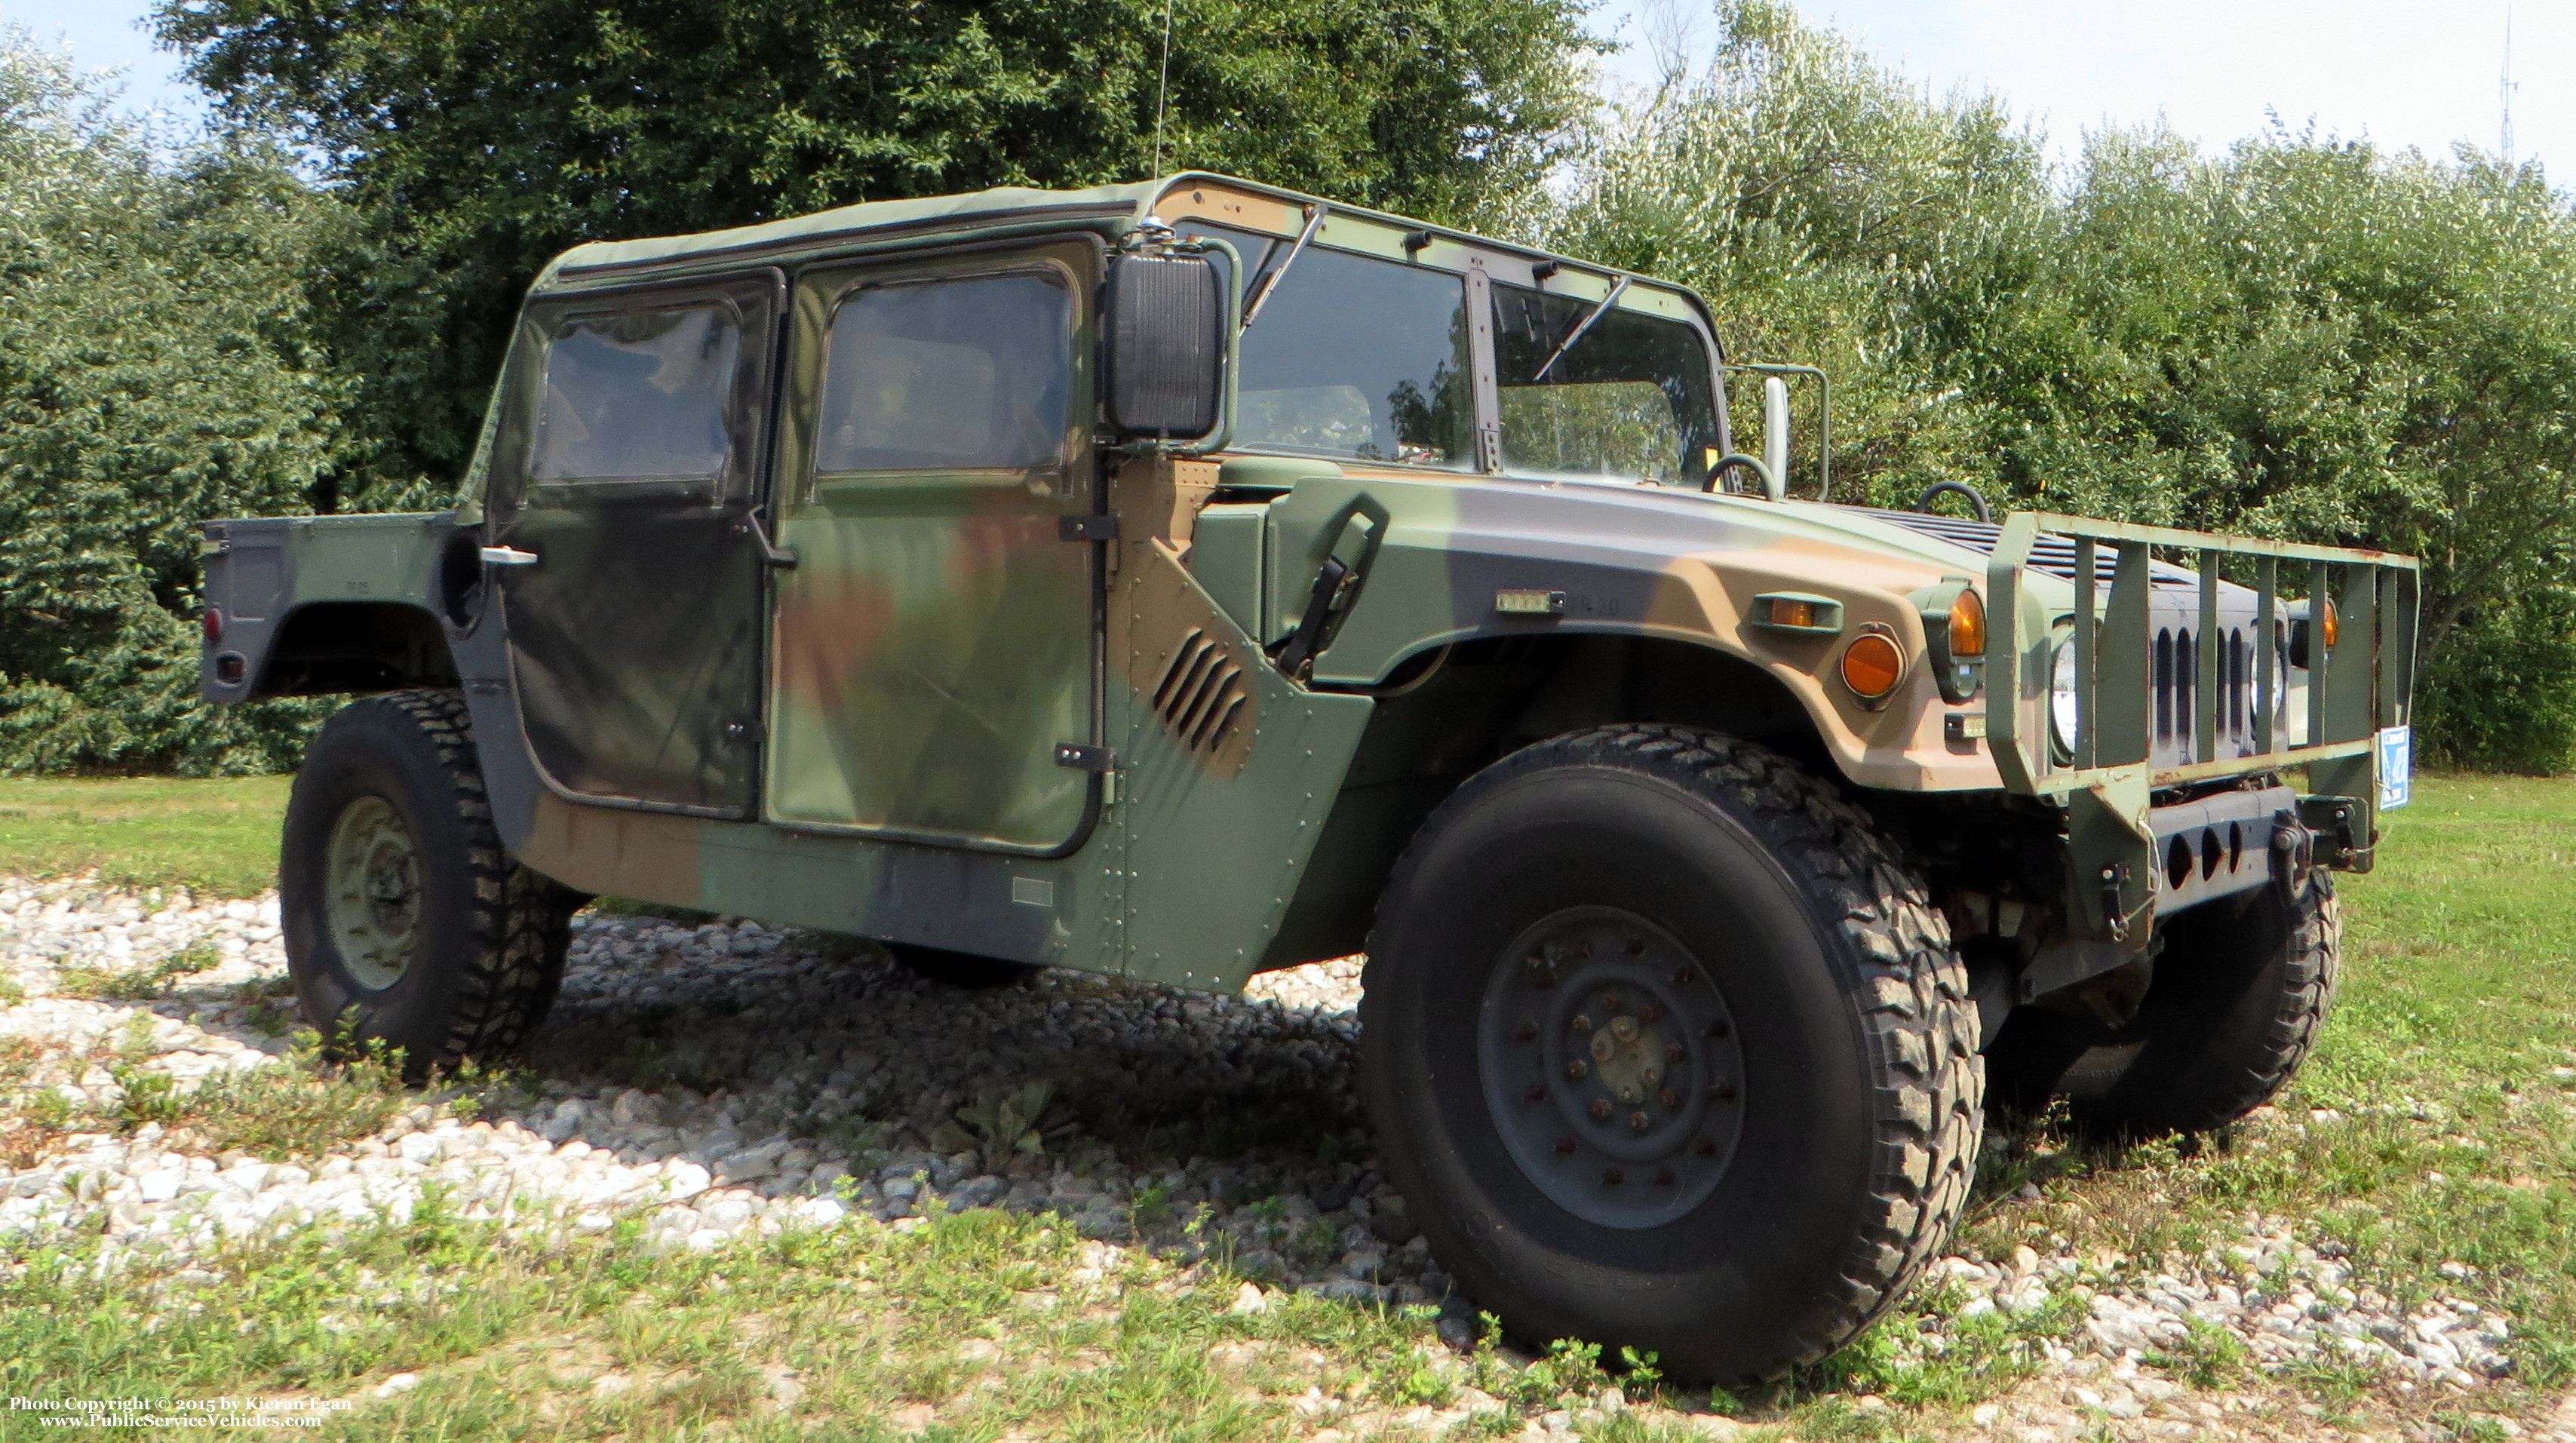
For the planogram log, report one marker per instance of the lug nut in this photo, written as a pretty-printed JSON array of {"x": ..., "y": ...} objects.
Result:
[
  {"x": 1637, "y": 1121},
  {"x": 1612, "y": 1177},
  {"x": 1601, "y": 1047},
  {"x": 1581, "y": 1024},
  {"x": 1624, "y": 1028},
  {"x": 1578, "y": 1069},
  {"x": 1600, "y": 1109},
  {"x": 1564, "y": 1142},
  {"x": 1651, "y": 1012},
  {"x": 1628, "y": 1093},
  {"x": 1671, "y": 1100},
  {"x": 1610, "y": 1000},
  {"x": 1672, "y": 1051},
  {"x": 1536, "y": 1092}
]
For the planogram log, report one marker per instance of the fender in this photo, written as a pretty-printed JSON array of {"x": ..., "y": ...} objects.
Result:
[{"x": 1453, "y": 559}]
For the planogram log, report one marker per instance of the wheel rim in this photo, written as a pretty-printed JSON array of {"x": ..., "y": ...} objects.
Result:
[
  {"x": 1612, "y": 1067},
  {"x": 373, "y": 881}
]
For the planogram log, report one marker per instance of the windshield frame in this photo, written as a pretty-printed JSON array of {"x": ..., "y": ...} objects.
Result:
[{"x": 1277, "y": 219}]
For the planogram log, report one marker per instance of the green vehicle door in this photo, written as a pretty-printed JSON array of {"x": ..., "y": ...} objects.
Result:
[
  {"x": 623, "y": 486},
  {"x": 937, "y": 643}
]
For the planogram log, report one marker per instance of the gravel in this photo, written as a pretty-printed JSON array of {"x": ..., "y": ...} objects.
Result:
[{"x": 726, "y": 1078}]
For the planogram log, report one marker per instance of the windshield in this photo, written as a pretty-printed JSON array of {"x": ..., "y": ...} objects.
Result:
[
  {"x": 1354, "y": 358},
  {"x": 1631, "y": 399}
]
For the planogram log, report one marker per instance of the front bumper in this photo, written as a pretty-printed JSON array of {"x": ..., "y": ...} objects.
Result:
[{"x": 2226, "y": 713}]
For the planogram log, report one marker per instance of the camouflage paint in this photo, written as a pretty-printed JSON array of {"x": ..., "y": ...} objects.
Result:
[
  {"x": 933, "y": 646},
  {"x": 635, "y": 638},
  {"x": 1197, "y": 847}
]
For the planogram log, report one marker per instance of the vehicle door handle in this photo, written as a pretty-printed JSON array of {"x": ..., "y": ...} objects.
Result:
[{"x": 508, "y": 556}]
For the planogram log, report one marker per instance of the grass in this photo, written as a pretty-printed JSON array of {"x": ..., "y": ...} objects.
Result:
[
  {"x": 2431, "y": 1136},
  {"x": 300, "y": 1110},
  {"x": 217, "y": 836}
]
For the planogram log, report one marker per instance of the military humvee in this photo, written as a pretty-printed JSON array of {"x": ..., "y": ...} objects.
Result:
[{"x": 1193, "y": 578}]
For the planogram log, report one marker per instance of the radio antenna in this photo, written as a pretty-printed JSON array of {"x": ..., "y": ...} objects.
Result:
[
  {"x": 1163, "y": 91},
  {"x": 2505, "y": 88}
]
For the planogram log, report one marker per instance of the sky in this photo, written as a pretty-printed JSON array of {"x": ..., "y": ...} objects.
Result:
[{"x": 2423, "y": 73}]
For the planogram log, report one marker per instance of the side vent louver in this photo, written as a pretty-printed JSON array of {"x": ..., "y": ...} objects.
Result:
[{"x": 1201, "y": 695}]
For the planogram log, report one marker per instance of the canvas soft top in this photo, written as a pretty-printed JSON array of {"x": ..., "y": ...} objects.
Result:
[{"x": 1112, "y": 208}]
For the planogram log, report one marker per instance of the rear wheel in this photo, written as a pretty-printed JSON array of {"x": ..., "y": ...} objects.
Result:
[
  {"x": 406, "y": 922},
  {"x": 2241, "y": 989},
  {"x": 1670, "y": 1051}
]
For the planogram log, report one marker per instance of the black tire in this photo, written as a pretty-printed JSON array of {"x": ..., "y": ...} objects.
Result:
[
  {"x": 2242, "y": 986},
  {"x": 472, "y": 954},
  {"x": 962, "y": 969},
  {"x": 1851, "y": 1141}
]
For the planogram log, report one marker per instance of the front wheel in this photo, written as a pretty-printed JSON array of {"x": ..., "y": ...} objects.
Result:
[
  {"x": 1672, "y": 1050},
  {"x": 406, "y": 922},
  {"x": 2242, "y": 986}
]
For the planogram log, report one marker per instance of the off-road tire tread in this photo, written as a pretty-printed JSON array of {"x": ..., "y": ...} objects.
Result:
[
  {"x": 1929, "y": 1096},
  {"x": 2315, "y": 946},
  {"x": 521, "y": 926}
]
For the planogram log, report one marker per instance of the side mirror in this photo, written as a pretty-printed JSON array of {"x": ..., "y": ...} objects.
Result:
[
  {"x": 1775, "y": 435},
  {"x": 1163, "y": 348}
]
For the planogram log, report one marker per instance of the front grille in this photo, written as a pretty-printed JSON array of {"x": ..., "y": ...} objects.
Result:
[{"x": 2177, "y": 682}]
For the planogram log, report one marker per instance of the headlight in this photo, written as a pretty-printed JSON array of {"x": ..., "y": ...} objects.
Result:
[{"x": 2061, "y": 701}]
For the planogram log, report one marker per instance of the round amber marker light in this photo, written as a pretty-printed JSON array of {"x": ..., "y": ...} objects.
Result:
[
  {"x": 1872, "y": 666},
  {"x": 2331, "y": 624},
  {"x": 1968, "y": 625}
]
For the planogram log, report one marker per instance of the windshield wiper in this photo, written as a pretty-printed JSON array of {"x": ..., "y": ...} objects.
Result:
[
  {"x": 1270, "y": 282},
  {"x": 1618, "y": 288}
]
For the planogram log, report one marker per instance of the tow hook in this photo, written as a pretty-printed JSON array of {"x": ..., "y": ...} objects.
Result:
[{"x": 2115, "y": 911}]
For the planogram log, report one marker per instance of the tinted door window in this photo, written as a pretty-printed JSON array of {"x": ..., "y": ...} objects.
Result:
[
  {"x": 1355, "y": 358},
  {"x": 954, "y": 375},
  {"x": 637, "y": 396}
]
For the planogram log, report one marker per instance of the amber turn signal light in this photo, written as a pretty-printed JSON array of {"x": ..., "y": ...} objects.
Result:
[
  {"x": 1872, "y": 666},
  {"x": 1968, "y": 625},
  {"x": 2333, "y": 624}
]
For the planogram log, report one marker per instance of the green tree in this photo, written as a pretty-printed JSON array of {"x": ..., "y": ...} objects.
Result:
[
  {"x": 2301, "y": 337},
  {"x": 481, "y": 137},
  {"x": 1823, "y": 203},
  {"x": 153, "y": 374}
]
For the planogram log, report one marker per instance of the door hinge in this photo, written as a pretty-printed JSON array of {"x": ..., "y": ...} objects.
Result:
[
  {"x": 1086, "y": 759},
  {"x": 1086, "y": 528}
]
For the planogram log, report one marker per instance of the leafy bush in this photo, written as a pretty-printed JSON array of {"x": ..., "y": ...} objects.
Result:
[
  {"x": 154, "y": 373},
  {"x": 2304, "y": 337}
]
